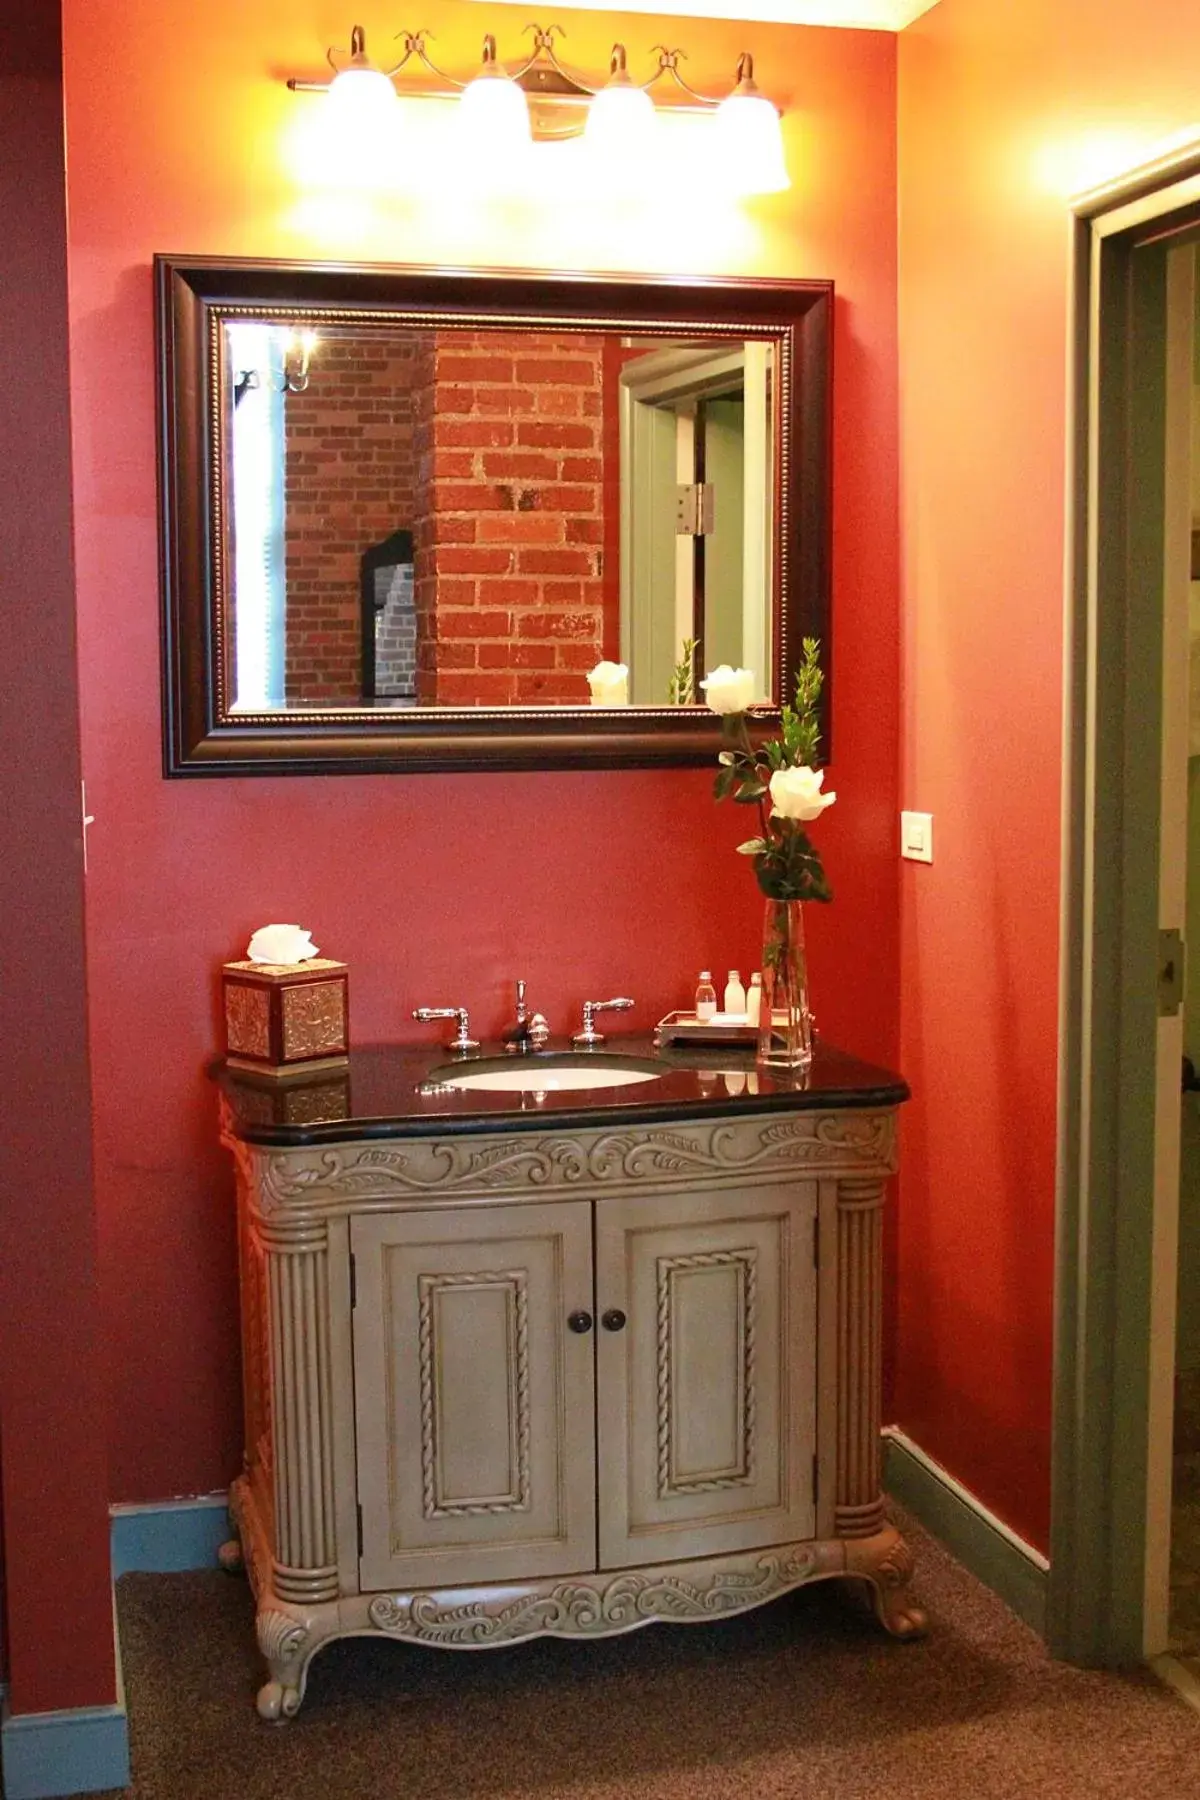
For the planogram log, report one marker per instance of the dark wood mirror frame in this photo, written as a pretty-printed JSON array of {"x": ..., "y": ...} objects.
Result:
[{"x": 194, "y": 295}]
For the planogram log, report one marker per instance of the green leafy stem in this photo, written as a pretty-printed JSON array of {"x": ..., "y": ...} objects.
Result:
[
  {"x": 681, "y": 689},
  {"x": 786, "y": 864}
]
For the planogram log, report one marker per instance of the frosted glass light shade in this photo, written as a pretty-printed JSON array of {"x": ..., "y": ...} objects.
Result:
[
  {"x": 363, "y": 94},
  {"x": 493, "y": 117},
  {"x": 749, "y": 146},
  {"x": 621, "y": 122}
]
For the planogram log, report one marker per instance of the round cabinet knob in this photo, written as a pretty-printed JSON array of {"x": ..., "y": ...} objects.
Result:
[
  {"x": 580, "y": 1321},
  {"x": 613, "y": 1319}
]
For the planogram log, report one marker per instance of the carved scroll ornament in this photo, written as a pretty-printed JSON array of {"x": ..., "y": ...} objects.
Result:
[
  {"x": 593, "y": 1608},
  {"x": 340, "y": 1175}
]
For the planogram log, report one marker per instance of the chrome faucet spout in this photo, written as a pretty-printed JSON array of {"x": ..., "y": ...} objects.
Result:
[{"x": 527, "y": 1032}]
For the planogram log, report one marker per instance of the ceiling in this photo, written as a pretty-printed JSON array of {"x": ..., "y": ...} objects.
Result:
[{"x": 878, "y": 15}]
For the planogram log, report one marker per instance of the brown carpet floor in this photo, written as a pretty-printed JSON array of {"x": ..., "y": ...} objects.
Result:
[{"x": 803, "y": 1700}]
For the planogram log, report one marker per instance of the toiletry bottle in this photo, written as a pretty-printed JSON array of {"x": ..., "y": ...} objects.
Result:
[
  {"x": 706, "y": 996},
  {"x": 754, "y": 999},
  {"x": 735, "y": 994}
]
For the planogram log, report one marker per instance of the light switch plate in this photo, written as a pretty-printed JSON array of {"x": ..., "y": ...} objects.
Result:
[{"x": 916, "y": 836}]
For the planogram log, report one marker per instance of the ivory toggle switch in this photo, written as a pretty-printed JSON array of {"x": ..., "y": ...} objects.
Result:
[{"x": 916, "y": 836}]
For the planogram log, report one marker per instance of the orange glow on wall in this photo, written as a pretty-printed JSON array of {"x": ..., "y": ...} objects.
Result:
[
  {"x": 1007, "y": 109},
  {"x": 1073, "y": 164}
]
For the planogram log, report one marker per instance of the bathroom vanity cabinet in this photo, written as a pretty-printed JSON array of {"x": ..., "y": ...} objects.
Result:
[{"x": 567, "y": 1366}]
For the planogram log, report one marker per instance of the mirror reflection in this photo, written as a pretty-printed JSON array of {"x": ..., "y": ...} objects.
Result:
[{"x": 436, "y": 515}]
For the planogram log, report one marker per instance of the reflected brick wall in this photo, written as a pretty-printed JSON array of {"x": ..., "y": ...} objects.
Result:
[
  {"x": 510, "y": 533},
  {"x": 350, "y": 471}
]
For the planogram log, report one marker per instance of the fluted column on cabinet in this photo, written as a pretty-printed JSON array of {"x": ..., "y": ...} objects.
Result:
[
  {"x": 304, "y": 1563},
  {"x": 858, "y": 1505}
]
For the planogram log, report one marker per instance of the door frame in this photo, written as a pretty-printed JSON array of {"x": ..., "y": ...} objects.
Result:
[
  {"x": 1116, "y": 1216},
  {"x": 649, "y": 468}
]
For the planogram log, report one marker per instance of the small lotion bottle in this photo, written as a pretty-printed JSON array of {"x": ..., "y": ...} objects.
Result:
[
  {"x": 754, "y": 999},
  {"x": 735, "y": 993},
  {"x": 706, "y": 995}
]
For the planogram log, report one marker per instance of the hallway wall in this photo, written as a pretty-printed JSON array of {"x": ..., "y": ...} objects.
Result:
[{"x": 57, "y": 1640}]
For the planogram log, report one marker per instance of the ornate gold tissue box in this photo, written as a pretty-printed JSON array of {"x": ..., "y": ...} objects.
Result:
[{"x": 280, "y": 1018}]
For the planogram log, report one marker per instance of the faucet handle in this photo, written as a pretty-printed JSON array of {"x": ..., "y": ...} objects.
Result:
[
  {"x": 588, "y": 1037},
  {"x": 462, "y": 1039}
]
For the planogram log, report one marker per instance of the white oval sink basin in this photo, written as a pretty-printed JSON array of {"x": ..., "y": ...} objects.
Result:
[{"x": 546, "y": 1077}]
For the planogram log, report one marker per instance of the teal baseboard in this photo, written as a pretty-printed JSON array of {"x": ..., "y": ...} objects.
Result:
[
  {"x": 83, "y": 1751},
  {"x": 169, "y": 1537},
  {"x": 86, "y": 1750},
  {"x": 983, "y": 1544}
]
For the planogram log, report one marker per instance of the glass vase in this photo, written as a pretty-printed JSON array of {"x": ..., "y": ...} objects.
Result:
[{"x": 785, "y": 1021}]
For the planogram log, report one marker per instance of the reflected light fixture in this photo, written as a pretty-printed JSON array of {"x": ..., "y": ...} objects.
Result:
[
  {"x": 502, "y": 108},
  {"x": 291, "y": 377}
]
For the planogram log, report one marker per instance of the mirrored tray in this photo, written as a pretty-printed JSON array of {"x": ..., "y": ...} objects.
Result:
[{"x": 722, "y": 1028}]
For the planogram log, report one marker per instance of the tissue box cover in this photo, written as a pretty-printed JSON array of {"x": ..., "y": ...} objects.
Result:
[{"x": 280, "y": 1017}]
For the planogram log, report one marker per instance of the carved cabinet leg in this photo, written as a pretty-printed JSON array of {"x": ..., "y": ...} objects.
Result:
[
  {"x": 858, "y": 1511},
  {"x": 286, "y": 1644},
  {"x": 874, "y": 1551},
  {"x": 885, "y": 1562}
]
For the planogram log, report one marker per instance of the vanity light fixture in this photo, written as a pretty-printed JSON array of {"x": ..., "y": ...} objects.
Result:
[
  {"x": 620, "y": 115},
  {"x": 493, "y": 110},
  {"x": 360, "y": 85},
  {"x": 502, "y": 108}
]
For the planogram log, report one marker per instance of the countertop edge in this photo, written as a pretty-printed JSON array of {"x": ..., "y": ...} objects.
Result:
[{"x": 340, "y": 1131}]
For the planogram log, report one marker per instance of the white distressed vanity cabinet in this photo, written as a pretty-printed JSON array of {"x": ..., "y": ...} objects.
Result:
[{"x": 526, "y": 1374}]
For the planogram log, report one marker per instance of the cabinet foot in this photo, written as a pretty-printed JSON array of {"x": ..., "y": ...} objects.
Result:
[
  {"x": 230, "y": 1557},
  {"x": 277, "y": 1703},
  {"x": 885, "y": 1563},
  {"x": 287, "y": 1643}
]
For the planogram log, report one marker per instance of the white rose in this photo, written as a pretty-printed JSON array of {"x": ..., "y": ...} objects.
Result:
[
  {"x": 281, "y": 944},
  {"x": 796, "y": 794},
  {"x": 729, "y": 690},
  {"x": 609, "y": 682}
]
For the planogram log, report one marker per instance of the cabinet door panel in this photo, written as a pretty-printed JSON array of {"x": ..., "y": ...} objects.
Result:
[
  {"x": 473, "y": 1401},
  {"x": 706, "y": 1397}
]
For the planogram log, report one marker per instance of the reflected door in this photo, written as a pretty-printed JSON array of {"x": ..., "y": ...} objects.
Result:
[{"x": 697, "y": 532}]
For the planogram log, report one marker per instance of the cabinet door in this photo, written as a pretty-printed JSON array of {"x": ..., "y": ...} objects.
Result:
[
  {"x": 706, "y": 1394},
  {"x": 474, "y": 1401}
]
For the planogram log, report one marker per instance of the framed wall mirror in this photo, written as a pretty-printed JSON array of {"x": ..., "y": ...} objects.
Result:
[{"x": 419, "y": 520}]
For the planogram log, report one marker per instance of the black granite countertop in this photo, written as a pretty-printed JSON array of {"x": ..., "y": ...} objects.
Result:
[{"x": 401, "y": 1090}]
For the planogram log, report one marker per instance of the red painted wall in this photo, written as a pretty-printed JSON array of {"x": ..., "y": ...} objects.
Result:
[
  {"x": 460, "y": 883},
  {"x": 57, "y": 1636},
  {"x": 1006, "y": 108}
]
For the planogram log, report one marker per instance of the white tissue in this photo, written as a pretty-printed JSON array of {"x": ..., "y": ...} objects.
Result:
[{"x": 282, "y": 944}]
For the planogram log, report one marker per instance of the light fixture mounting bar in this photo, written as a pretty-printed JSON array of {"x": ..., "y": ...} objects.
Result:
[{"x": 542, "y": 75}]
